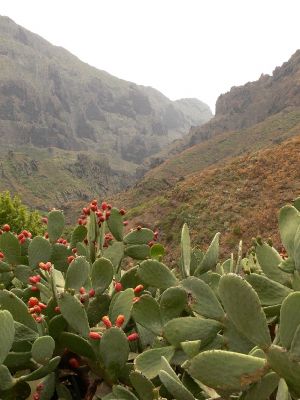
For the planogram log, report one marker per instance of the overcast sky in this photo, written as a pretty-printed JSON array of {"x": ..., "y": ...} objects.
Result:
[{"x": 184, "y": 48}]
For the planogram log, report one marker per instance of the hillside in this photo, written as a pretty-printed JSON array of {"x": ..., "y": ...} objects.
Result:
[
  {"x": 240, "y": 199},
  {"x": 48, "y": 97},
  {"x": 213, "y": 152}
]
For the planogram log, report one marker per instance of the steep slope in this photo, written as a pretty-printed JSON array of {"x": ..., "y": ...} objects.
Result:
[
  {"x": 245, "y": 106},
  {"x": 213, "y": 152},
  {"x": 240, "y": 199},
  {"x": 48, "y": 97}
]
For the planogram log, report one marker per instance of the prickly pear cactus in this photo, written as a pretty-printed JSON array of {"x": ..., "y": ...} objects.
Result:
[{"x": 100, "y": 314}]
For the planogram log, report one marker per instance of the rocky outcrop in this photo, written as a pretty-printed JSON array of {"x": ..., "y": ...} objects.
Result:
[{"x": 249, "y": 104}]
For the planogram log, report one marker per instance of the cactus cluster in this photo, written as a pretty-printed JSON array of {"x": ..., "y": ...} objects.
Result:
[{"x": 100, "y": 316}]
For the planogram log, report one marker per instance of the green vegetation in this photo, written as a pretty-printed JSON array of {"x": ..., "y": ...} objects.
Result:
[
  {"x": 103, "y": 317},
  {"x": 17, "y": 215}
]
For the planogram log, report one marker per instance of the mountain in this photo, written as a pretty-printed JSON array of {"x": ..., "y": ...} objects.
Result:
[
  {"x": 48, "y": 97},
  {"x": 234, "y": 172},
  {"x": 69, "y": 131}
]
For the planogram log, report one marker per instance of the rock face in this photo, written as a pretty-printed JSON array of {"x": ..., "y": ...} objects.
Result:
[
  {"x": 247, "y": 105},
  {"x": 48, "y": 98}
]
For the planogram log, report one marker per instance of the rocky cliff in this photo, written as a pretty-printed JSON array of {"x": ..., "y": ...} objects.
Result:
[{"x": 247, "y": 105}]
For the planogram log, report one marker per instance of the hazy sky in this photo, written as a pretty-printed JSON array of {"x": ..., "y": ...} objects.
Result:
[{"x": 184, "y": 48}]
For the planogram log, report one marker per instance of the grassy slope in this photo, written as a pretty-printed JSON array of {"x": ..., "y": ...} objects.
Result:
[{"x": 239, "y": 198}]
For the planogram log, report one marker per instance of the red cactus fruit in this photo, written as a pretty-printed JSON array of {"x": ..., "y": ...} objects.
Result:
[
  {"x": 74, "y": 363},
  {"x": 138, "y": 289},
  {"x": 120, "y": 320},
  {"x": 132, "y": 337},
  {"x": 94, "y": 335},
  {"x": 6, "y": 228},
  {"x": 107, "y": 322}
]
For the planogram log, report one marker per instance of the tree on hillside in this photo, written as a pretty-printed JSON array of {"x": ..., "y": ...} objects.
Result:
[{"x": 18, "y": 216}]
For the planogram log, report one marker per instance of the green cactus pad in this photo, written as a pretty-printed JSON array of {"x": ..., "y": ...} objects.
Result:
[
  {"x": 175, "y": 387},
  {"x": 120, "y": 392},
  {"x": 269, "y": 260},
  {"x": 157, "y": 274},
  {"x": 56, "y": 224},
  {"x": 172, "y": 303},
  {"x": 296, "y": 254},
  {"x": 280, "y": 361},
  {"x": 74, "y": 313},
  {"x": 138, "y": 251},
  {"x": 289, "y": 221},
  {"x": 185, "y": 251},
  {"x": 190, "y": 328},
  {"x": 210, "y": 258},
  {"x": 270, "y": 293},
  {"x": 295, "y": 345},
  {"x": 115, "y": 224},
  {"x": 39, "y": 250},
  {"x": 102, "y": 274},
  {"x": 11, "y": 248},
  {"x": 77, "y": 273},
  {"x": 23, "y": 272},
  {"x": 202, "y": 299},
  {"x": 78, "y": 235},
  {"x": 130, "y": 278},
  {"x": 146, "y": 338},
  {"x": 114, "y": 350},
  {"x": 4, "y": 267},
  {"x": 6, "y": 380},
  {"x": 146, "y": 312},
  {"x": 18, "y": 309},
  {"x": 235, "y": 340},
  {"x": 289, "y": 319},
  {"x": 263, "y": 389},
  {"x": 18, "y": 360},
  {"x": 97, "y": 308},
  {"x": 227, "y": 371},
  {"x": 7, "y": 333},
  {"x": 48, "y": 389},
  {"x": 122, "y": 305},
  {"x": 42, "y": 371},
  {"x": 20, "y": 391},
  {"x": 76, "y": 344},
  {"x": 59, "y": 256},
  {"x": 243, "y": 307},
  {"x": 191, "y": 347},
  {"x": 139, "y": 236},
  {"x": 283, "y": 391},
  {"x": 92, "y": 228},
  {"x": 42, "y": 349},
  {"x": 57, "y": 325},
  {"x": 22, "y": 332},
  {"x": 166, "y": 367},
  {"x": 149, "y": 362},
  {"x": 157, "y": 251},
  {"x": 142, "y": 385},
  {"x": 114, "y": 252}
]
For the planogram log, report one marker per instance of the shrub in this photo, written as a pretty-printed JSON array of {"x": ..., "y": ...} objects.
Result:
[{"x": 17, "y": 215}]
